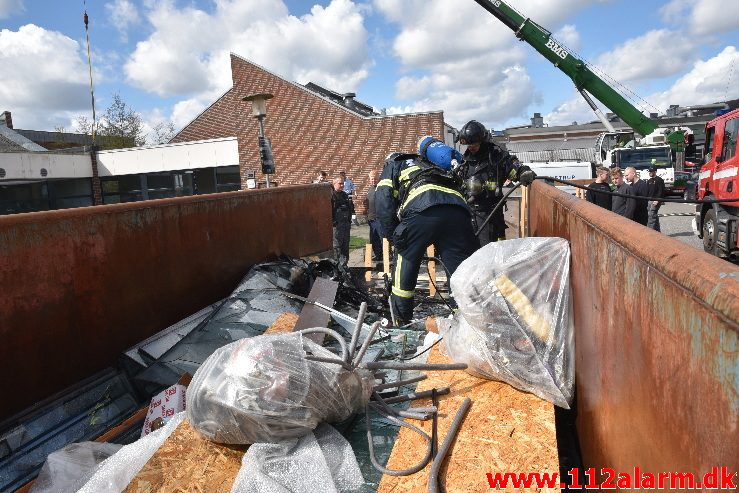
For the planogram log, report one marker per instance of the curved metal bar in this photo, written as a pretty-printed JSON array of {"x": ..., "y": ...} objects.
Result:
[
  {"x": 370, "y": 442},
  {"x": 433, "y": 486},
  {"x": 332, "y": 333},
  {"x": 336, "y": 361},
  {"x": 402, "y": 365}
]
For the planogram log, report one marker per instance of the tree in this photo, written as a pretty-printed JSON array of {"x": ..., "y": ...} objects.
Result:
[
  {"x": 121, "y": 126},
  {"x": 163, "y": 133}
]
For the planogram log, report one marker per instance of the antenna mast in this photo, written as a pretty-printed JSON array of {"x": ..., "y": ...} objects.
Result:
[{"x": 89, "y": 64}]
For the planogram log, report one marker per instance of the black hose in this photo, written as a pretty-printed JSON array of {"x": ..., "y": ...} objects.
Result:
[
  {"x": 619, "y": 194},
  {"x": 500, "y": 203}
]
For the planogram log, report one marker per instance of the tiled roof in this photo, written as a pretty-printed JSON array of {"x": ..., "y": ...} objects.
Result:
[{"x": 7, "y": 145}]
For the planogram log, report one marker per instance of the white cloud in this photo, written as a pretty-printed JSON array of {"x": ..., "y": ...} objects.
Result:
[
  {"x": 123, "y": 14},
  {"x": 702, "y": 17},
  {"x": 44, "y": 76},
  {"x": 709, "y": 81},
  {"x": 658, "y": 53},
  {"x": 10, "y": 7},
  {"x": 469, "y": 64},
  {"x": 188, "y": 52},
  {"x": 569, "y": 37}
]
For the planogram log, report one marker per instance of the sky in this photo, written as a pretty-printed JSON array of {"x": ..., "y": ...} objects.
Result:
[{"x": 169, "y": 59}]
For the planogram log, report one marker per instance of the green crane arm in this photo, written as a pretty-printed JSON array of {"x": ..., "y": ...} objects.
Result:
[{"x": 540, "y": 39}]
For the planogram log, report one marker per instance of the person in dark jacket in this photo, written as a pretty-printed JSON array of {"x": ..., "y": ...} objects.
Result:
[
  {"x": 419, "y": 204},
  {"x": 600, "y": 184},
  {"x": 656, "y": 188},
  {"x": 486, "y": 168},
  {"x": 375, "y": 235},
  {"x": 618, "y": 204},
  {"x": 341, "y": 214},
  {"x": 636, "y": 208}
]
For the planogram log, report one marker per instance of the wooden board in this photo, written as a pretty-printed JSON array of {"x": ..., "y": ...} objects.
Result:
[
  {"x": 505, "y": 430},
  {"x": 284, "y": 323},
  {"x": 187, "y": 461}
]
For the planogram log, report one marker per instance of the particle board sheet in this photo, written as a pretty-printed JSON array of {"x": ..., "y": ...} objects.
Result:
[
  {"x": 504, "y": 430},
  {"x": 187, "y": 461}
]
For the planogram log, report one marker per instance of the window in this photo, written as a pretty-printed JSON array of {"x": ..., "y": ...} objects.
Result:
[
  {"x": 709, "y": 143},
  {"x": 730, "y": 138},
  {"x": 227, "y": 178}
]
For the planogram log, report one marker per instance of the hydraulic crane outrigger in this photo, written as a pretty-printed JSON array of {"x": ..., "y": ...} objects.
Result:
[{"x": 586, "y": 82}]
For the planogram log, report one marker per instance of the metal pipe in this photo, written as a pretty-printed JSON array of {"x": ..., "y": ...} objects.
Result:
[
  {"x": 416, "y": 395},
  {"x": 398, "y": 383},
  {"x": 332, "y": 333},
  {"x": 357, "y": 330},
  {"x": 365, "y": 345},
  {"x": 370, "y": 445},
  {"x": 401, "y": 365},
  {"x": 433, "y": 486},
  {"x": 336, "y": 361}
]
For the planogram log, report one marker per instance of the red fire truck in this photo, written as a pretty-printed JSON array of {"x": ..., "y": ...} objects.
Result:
[{"x": 717, "y": 223}]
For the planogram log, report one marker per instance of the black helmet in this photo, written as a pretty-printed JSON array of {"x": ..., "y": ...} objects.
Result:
[{"x": 473, "y": 132}]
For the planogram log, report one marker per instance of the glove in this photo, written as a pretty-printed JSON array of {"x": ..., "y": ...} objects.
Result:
[{"x": 527, "y": 177}]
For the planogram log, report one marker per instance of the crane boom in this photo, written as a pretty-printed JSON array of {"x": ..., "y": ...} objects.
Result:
[{"x": 540, "y": 39}]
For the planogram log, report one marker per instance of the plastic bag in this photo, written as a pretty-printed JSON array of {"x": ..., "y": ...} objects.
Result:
[
  {"x": 69, "y": 468},
  {"x": 515, "y": 316},
  {"x": 320, "y": 461},
  {"x": 116, "y": 473},
  {"x": 263, "y": 389}
]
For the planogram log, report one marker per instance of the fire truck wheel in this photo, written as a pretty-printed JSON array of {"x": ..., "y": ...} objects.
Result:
[{"x": 710, "y": 233}]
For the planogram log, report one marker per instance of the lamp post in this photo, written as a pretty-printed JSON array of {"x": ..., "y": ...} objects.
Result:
[{"x": 259, "y": 111}]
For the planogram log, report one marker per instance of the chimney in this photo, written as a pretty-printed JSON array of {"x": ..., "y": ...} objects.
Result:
[
  {"x": 6, "y": 120},
  {"x": 349, "y": 100},
  {"x": 537, "y": 121}
]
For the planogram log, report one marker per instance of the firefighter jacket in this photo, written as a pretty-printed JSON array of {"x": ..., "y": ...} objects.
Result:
[
  {"x": 490, "y": 167},
  {"x": 408, "y": 185}
]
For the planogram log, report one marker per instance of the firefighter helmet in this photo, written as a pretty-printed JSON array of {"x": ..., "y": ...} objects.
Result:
[{"x": 473, "y": 132}]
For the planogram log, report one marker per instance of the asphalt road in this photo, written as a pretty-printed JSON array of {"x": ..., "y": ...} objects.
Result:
[{"x": 675, "y": 221}]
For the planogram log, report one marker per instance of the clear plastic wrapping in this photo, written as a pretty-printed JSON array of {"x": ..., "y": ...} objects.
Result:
[
  {"x": 515, "y": 316},
  {"x": 69, "y": 468},
  {"x": 264, "y": 389},
  {"x": 320, "y": 461}
]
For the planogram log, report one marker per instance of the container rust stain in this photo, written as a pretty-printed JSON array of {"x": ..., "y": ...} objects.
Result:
[
  {"x": 656, "y": 343},
  {"x": 80, "y": 286}
]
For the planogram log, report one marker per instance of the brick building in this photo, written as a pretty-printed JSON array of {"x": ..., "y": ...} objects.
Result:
[{"x": 309, "y": 129}]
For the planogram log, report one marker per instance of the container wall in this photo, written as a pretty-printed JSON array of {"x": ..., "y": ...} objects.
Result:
[
  {"x": 656, "y": 341},
  {"x": 80, "y": 286}
]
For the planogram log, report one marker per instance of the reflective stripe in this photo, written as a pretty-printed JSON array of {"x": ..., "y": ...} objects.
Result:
[
  {"x": 425, "y": 188},
  {"x": 512, "y": 175},
  {"x": 384, "y": 183},
  {"x": 397, "y": 290},
  {"x": 404, "y": 174},
  {"x": 490, "y": 185},
  {"x": 402, "y": 293}
]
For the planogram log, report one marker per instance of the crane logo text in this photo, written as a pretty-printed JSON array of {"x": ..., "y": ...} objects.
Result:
[{"x": 558, "y": 50}]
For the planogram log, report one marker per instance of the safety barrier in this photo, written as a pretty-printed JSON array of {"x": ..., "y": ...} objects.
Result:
[
  {"x": 656, "y": 341},
  {"x": 79, "y": 286}
]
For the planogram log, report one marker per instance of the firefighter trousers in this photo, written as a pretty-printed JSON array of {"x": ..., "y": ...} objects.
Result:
[{"x": 448, "y": 228}]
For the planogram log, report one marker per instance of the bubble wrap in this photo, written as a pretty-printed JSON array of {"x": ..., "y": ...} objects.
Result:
[
  {"x": 114, "y": 474},
  {"x": 515, "y": 316},
  {"x": 69, "y": 468},
  {"x": 320, "y": 461},
  {"x": 263, "y": 389}
]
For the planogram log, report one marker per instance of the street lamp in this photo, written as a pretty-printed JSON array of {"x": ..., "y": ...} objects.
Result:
[{"x": 259, "y": 111}]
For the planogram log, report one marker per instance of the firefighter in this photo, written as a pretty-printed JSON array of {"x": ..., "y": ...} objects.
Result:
[
  {"x": 418, "y": 204},
  {"x": 487, "y": 167}
]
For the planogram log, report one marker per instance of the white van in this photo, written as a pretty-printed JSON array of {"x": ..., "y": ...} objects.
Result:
[{"x": 564, "y": 170}]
